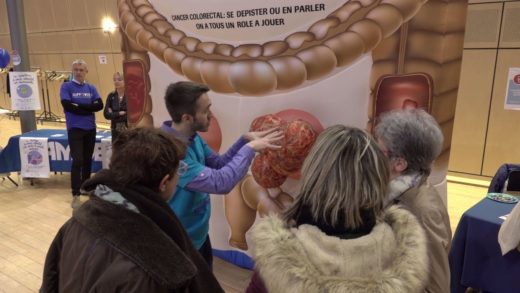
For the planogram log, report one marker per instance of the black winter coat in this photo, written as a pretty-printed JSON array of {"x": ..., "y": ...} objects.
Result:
[{"x": 113, "y": 104}]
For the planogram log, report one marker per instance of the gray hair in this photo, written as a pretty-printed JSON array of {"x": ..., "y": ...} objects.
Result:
[
  {"x": 344, "y": 174},
  {"x": 412, "y": 135},
  {"x": 80, "y": 62}
]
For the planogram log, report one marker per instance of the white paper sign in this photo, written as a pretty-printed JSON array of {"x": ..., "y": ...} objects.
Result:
[
  {"x": 106, "y": 150},
  {"x": 16, "y": 58},
  {"x": 102, "y": 59},
  {"x": 34, "y": 157},
  {"x": 512, "y": 101},
  {"x": 25, "y": 93}
]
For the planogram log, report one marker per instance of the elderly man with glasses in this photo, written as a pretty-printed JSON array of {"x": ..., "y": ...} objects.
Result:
[{"x": 412, "y": 140}]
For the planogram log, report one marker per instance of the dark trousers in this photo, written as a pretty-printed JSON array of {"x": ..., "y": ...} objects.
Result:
[
  {"x": 114, "y": 134},
  {"x": 81, "y": 143},
  {"x": 207, "y": 252}
]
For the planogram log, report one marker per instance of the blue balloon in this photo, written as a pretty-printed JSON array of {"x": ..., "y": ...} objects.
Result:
[{"x": 4, "y": 58}]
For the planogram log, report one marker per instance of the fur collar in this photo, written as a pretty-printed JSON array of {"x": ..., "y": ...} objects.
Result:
[
  {"x": 392, "y": 258},
  {"x": 401, "y": 184},
  {"x": 138, "y": 238}
]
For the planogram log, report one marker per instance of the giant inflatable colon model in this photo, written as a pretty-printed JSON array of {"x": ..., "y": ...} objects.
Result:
[
  {"x": 263, "y": 192},
  {"x": 340, "y": 61}
]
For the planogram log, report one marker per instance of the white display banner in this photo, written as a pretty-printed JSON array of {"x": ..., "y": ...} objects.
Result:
[
  {"x": 512, "y": 101},
  {"x": 238, "y": 21},
  {"x": 25, "y": 93},
  {"x": 34, "y": 157},
  {"x": 302, "y": 59},
  {"x": 254, "y": 25}
]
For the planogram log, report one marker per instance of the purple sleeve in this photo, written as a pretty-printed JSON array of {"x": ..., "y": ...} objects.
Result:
[
  {"x": 96, "y": 94},
  {"x": 221, "y": 181},
  {"x": 64, "y": 92},
  {"x": 215, "y": 161}
]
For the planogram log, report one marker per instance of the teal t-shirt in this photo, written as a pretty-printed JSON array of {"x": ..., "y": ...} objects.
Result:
[{"x": 193, "y": 208}]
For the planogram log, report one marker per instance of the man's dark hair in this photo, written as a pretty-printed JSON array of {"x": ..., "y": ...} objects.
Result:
[
  {"x": 144, "y": 156},
  {"x": 181, "y": 98}
]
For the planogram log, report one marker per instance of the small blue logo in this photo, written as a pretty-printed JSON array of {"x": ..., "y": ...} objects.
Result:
[
  {"x": 34, "y": 158},
  {"x": 24, "y": 91}
]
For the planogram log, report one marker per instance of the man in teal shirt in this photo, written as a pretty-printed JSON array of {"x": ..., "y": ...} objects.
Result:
[{"x": 205, "y": 171}]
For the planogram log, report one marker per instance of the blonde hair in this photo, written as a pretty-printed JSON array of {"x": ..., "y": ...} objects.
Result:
[
  {"x": 118, "y": 75},
  {"x": 344, "y": 174}
]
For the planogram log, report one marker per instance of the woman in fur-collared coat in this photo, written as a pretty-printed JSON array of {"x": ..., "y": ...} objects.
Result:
[{"x": 337, "y": 237}]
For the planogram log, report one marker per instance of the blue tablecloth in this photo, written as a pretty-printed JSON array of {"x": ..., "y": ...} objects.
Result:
[
  {"x": 475, "y": 257},
  {"x": 59, "y": 152}
]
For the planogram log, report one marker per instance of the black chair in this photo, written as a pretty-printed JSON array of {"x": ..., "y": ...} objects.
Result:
[{"x": 509, "y": 173}]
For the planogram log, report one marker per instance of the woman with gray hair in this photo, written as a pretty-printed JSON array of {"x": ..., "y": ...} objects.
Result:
[
  {"x": 412, "y": 140},
  {"x": 337, "y": 237}
]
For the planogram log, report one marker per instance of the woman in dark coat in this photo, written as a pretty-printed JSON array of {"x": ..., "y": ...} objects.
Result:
[
  {"x": 125, "y": 238},
  {"x": 116, "y": 107}
]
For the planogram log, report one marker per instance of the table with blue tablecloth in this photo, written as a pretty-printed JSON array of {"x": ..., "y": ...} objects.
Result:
[
  {"x": 475, "y": 257},
  {"x": 59, "y": 151}
]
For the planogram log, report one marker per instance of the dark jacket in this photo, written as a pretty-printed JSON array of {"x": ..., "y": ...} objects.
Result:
[
  {"x": 105, "y": 247},
  {"x": 113, "y": 104}
]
